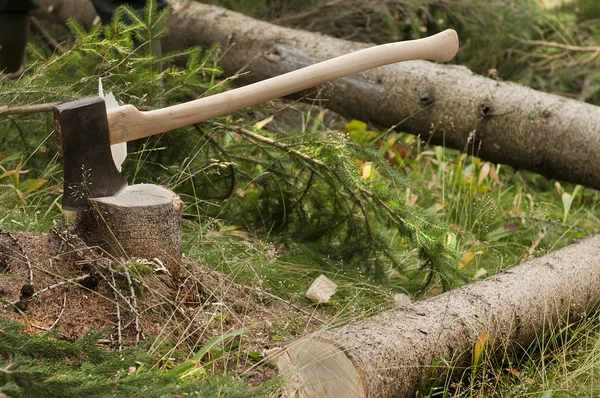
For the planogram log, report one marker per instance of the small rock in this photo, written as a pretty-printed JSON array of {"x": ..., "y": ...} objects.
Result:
[{"x": 321, "y": 290}]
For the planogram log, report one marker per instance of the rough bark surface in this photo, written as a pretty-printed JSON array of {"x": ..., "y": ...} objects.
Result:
[
  {"x": 143, "y": 221},
  {"x": 391, "y": 354},
  {"x": 498, "y": 121}
]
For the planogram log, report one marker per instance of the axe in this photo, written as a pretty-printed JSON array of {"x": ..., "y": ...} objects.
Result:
[{"x": 85, "y": 129}]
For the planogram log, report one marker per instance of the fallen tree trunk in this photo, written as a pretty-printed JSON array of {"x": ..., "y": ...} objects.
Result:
[
  {"x": 498, "y": 121},
  {"x": 393, "y": 353}
]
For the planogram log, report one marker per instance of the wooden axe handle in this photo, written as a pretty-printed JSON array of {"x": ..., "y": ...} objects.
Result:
[{"x": 126, "y": 123}]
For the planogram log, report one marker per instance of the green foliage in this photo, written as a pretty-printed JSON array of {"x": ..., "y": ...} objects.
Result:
[
  {"x": 45, "y": 365},
  {"x": 316, "y": 194},
  {"x": 118, "y": 54}
]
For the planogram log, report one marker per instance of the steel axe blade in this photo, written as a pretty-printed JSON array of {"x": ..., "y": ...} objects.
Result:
[{"x": 84, "y": 143}]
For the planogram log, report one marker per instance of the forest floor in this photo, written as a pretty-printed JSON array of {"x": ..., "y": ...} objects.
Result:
[{"x": 57, "y": 282}]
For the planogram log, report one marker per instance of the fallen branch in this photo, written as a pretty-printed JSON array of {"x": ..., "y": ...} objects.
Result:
[
  {"x": 395, "y": 352},
  {"x": 133, "y": 303},
  {"x": 54, "y": 286},
  {"x": 27, "y": 109},
  {"x": 119, "y": 324}
]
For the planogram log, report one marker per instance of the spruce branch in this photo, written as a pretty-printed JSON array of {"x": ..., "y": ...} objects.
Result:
[{"x": 369, "y": 198}]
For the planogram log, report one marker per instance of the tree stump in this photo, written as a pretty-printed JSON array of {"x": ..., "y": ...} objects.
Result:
[{"x": 143, "y": 221}]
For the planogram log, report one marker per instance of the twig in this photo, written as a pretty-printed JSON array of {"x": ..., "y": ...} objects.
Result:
[
  {"x": 36, "y": 25},
  {"x": 113, "y": 286},
  {"x": 548, "y": 221},
  {"x": 56, "y": 285},
  {"x": 569, "y": 47},
  {"x": 59, "y": 284},
  {"x": 273, "y": 296},
  {"x": 271, "y": 142},
  {"x": 62, "y": 311},
  {"x": 23, "y": 253},
  {"x": 119, "y": 333},
  {"x": 138, "y": 329},
  {"x": 27, "y": 109}
]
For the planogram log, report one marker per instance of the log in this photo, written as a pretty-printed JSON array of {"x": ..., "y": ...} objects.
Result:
[
  {"x": 447, "y": 105},
  {"x": 391, "y": 354},
  {"x": 143, "y": 221}
]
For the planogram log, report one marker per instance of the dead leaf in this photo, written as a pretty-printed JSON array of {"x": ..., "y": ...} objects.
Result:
[
  {"x": 536, "y": 242},
  {"x": 559, "y": 188},
  {"x": 513, "y": 372},
  {"x": 494, "y": 175},
  {"x": 466, "y": 259},
  {"x": 264, "y": 122},
  {"x": 479, "y": 347},
  {"x": 367, "y": 170},
  {"x": 483, "y": 173}
]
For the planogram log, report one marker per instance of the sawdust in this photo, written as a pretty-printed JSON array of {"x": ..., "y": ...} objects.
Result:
[{"x": 53, "y": 280}]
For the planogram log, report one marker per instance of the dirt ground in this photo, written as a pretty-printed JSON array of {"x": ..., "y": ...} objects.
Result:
[{"x": 53, "y": 280}]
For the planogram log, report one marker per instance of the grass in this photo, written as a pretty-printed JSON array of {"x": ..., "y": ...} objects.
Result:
[{"x": 497, "y": 217}]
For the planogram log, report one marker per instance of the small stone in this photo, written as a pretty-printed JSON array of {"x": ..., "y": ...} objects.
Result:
[{"x": 321, "y": 290}]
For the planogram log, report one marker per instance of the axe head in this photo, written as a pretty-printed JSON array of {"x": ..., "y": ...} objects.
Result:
[{"x": 84, "y": 143}]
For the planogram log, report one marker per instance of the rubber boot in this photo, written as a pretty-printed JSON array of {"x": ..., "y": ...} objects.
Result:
[{"x": 14, "y": 33}]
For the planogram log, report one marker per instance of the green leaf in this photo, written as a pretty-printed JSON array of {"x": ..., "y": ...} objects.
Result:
[
  {"x": 180, "y": 369},
  {"x": 255, "y": 356},
  {"x": 217, "y": 341},
  {"x": 567, "y": 201},
  {"x": 355, "y": 125},
  {"x": 32, "y": 184}
]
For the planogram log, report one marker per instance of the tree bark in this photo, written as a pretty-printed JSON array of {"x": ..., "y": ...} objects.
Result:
[
  {"x": 448, "y": 105},
  {"x": 391, "y": 354},
  {"x": 143, "y": 221}
]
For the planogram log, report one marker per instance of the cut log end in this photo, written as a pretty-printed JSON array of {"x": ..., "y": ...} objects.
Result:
[
  {"x": 315, "y": 367},
  {"x": 143, "y": 221}
]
